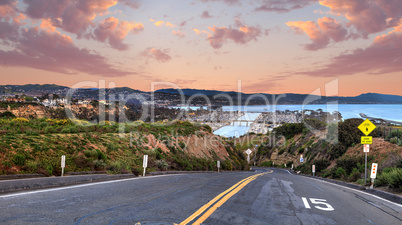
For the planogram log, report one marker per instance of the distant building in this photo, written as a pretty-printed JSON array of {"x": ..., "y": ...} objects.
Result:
[{"x": 10, "y": 99}]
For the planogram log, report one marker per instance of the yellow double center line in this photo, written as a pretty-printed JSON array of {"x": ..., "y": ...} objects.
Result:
[{"x": 226, "y": 195}]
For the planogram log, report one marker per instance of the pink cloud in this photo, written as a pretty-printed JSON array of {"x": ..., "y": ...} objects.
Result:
[
  {"x": 114, "y": 32},
  {"x": 157, "y": 54},
  {"x": 8, "y": 9},
  {"x": 367, "y": 17},
  {"x": 77, "y": 17},
  {"x": 161, "y": 23},
  {"x": 197, "y": 31},
  {"x": 383, "y": 56},
  {"x": 131, "y": 3},
  {"x": 322, "y": 32},
  {"x": 179, "y": 34},
  {"x": 70, "y": 15},
  {"x": 8, "y": 31},
  {"x": 364, "y": 18},
  {"x": 52, "y": 51},
  {"x": 241, "y": 36},
  {"x": 283, "y": 6},
  {"x": 228, "y": 2},
  {"x": 206, "y": 15}
]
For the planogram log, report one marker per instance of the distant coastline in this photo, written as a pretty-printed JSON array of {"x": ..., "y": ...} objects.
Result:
[{"x": 173, "y": 97}]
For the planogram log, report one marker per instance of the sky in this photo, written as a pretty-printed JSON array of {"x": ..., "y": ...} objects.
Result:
[{"x": 255, "y": 46}]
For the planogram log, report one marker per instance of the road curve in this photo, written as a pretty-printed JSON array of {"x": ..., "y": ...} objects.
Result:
[{"x": 268, "y": 196}]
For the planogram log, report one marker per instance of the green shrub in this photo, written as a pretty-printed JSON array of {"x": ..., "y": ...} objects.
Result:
[
  {"x": 266, "y": 164},
  {"x": 394, "y": 140},
  {"x": 360, "y": 181},
  {"x": 315, "y": 124},
  {"x": 116, "y": 167},
  {"x": 281, "y": 151},
  {"x": 395, "y": 133},
  {"x": 65, "y": 130},
  {"x": 111, "y": 147},
  {"x": 289, "y": 164},
  {"x": 32, "y": 165},
  {"x": 99, "y": 164},
  {"x": 301, "y": 150},
  {"x": 88, "y": 153},
  {"x": 391, "y": 178},
  {"x": 340, "y": 173},
  {"x": 101, "y": 155},
  {"x": 158, "y": 153},
  {"x": 19, "y": 159},
  {"x": 289, "y": 130},
  {"x": 349, "y": 163},
  {"x": 327, "y": 174},
  {"x": 227, "y": 165},
  {"x": 49, "y": 170},
  {"x": 43, "y": 124},
  {"x": 182, "y": 145},
  {"x": 354, "y": 175},
  {"x": 163, "y": 165},
  {"x": 321, "y": 164},
  {"x": 208, "y": 128}
]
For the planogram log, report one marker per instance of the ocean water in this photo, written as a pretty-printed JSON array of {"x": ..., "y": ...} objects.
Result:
[
  {"x": 238, "y": 129},
  {"x": 384, "y": 111},
  {"x": 232, "y": 131}
]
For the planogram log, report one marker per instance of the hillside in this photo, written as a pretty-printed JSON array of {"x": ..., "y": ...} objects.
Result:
[
  {"x": 338, "y": 159},
  {"x": 291, "y": 98},
  {"x": 35, "y": 146},
  {"x": 170, "y": 93}
]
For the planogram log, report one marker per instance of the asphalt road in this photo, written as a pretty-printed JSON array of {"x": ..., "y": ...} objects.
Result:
[{"x": 268, "y": 196}]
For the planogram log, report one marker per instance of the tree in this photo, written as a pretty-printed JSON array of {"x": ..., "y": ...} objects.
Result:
[
  {"x": 349, "y": 134},
  {"x": 7, "y": 114}
]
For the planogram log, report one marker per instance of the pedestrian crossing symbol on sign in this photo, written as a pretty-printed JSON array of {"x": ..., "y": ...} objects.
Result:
[{"x": 367, "y": 127}]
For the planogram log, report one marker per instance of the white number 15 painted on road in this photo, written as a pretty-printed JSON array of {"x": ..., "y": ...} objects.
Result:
[{"x": 317, "y": 201}]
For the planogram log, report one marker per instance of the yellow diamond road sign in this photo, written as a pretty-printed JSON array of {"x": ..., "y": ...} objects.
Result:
[{"x": 367, "y": 127}]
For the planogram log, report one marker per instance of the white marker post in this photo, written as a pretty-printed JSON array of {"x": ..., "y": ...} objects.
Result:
[
  {"x": 366, "y": 149},
  {"x": 218, "y": 164},
  {"x": 248, "y": 152},
  {"x": 313, "y": 170},
  {"x": 145, "y": 164},
  {"x": 301, "y": 158},
  {"x": 63, "y": 164},
  {"x": 373, "y": 173}
]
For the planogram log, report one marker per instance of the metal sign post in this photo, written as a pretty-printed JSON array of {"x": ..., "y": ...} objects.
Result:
[
  {"x": 366, "y": 148},
  {"x": 63, "y": 164},
  {"x": 366, "y": 127},
  {"x": 145, "y": 164},
  {"x": 218, "y": 164}
]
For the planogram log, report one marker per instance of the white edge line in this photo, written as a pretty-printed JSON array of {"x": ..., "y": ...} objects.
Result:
[
  {"x": 82, "y": 185},
  {"x": 375, "y": 196}
]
